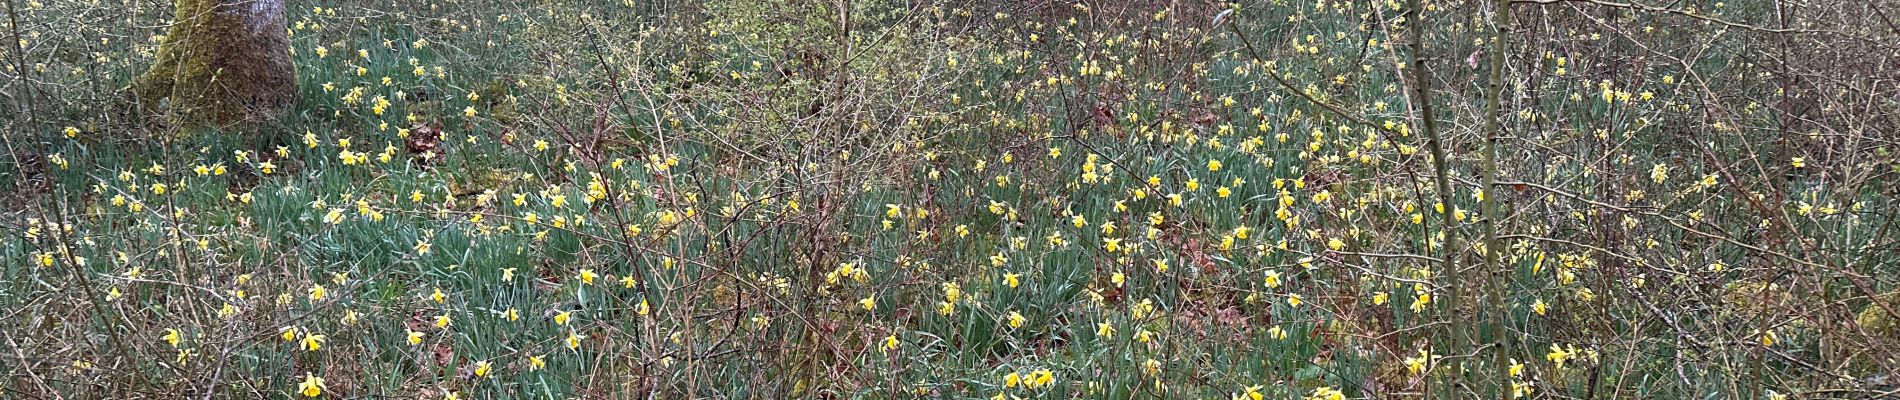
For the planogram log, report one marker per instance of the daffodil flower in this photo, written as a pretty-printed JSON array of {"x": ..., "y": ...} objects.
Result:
[{"x": 312, "y": 386}]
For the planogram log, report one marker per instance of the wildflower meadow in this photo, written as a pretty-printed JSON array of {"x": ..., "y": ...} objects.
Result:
[{"x": 950, "y": 199}]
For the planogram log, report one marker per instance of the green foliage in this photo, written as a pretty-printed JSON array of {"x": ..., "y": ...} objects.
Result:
[{"x": 766, "y": 199}]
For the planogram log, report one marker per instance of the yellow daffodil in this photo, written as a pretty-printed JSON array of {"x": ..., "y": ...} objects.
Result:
[
  {"x": 312, "y": 342},
  {"x": 312, "y": 386}
]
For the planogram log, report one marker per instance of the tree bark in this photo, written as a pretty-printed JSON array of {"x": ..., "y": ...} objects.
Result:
[{"x": 222, "y": 62}]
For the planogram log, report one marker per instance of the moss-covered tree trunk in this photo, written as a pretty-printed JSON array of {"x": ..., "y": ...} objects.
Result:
[{"x": 223, "y": 62}]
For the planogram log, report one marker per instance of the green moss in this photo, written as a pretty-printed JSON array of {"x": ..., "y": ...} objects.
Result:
[
  {"x": 1877, "y": 320},
  {"x": 216, "y": 70}
]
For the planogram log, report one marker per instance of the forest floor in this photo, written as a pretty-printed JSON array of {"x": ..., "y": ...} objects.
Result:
[{"x": 1154, "y": 200}]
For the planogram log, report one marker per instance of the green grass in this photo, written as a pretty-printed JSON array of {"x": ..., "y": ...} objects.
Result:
[{"x": 930, "y": 181}]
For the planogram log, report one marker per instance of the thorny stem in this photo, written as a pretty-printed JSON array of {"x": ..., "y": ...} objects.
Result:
[
  {"x": 1421, "y": 82},
  {"x": 1498, "y": 281}
]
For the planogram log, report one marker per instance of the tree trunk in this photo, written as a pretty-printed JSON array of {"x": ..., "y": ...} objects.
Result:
[{"x": 223, "y": 62}]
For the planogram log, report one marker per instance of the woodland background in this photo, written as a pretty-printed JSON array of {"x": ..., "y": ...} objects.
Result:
[{"x": 950, "y": 199}]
